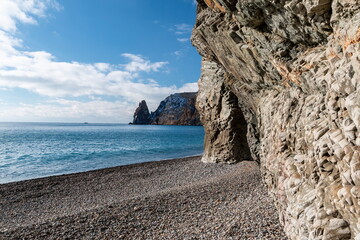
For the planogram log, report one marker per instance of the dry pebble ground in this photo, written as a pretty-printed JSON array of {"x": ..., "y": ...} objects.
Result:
[{"x": 174, "y": 199}]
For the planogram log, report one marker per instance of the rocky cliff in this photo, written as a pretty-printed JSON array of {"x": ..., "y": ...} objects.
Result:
[
  {"x": 177, "y": 109},
  {"x": 142, "y": 114},
  {"x": 289, "y": 70}
]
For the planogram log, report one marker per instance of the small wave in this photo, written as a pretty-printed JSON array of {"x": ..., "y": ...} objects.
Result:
[{"x": 38, "y": 150}]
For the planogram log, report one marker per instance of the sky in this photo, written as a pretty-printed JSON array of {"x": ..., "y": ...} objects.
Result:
[{"x": 93, "y": 61}]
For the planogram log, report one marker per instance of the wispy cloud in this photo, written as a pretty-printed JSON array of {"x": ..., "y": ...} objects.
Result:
[
  {"x": 14, "y": 11},
  {"x": 40, "y": 72},
  {"x": 182, "y": 32},
  {"x": 189, "y": 87},
  {"x": 183, "y": 40},
  {"x": 138, "y": 63},
  {"x": 182, "y": 28},
  {"x": 178, "y": 53}
]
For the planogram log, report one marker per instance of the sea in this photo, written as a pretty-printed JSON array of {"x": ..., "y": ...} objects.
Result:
[{"x": 34, "y": 150}]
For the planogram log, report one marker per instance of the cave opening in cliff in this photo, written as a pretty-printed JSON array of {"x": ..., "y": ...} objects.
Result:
[
  {"x": 225, "y": 125},
  {"x": 240, "y": 128}
]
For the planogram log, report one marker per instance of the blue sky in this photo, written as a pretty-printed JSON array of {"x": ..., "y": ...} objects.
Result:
[{"x": 81, "y": 60}]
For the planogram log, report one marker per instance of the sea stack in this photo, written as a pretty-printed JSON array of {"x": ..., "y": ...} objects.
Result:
[{"x": 142, "y": 114}]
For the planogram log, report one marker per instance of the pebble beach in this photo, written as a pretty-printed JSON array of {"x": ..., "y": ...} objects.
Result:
[{"x": 171, "y": 199}]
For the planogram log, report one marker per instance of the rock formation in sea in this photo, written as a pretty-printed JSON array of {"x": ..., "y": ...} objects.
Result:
[
  {"x": 176, "y": 109},
  {"x": 289, "y": 70},
  {"x": 142, "y": 114}
]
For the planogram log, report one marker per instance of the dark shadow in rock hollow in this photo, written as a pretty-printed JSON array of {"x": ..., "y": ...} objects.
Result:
[{"x": 239, "y": 127}]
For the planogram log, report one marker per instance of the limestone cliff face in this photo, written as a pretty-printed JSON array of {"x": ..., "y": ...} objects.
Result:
[
  {"x": 142, "y": 114},
  {"x": 177, "y": 109},
  {"x": 291, "y": 70}
]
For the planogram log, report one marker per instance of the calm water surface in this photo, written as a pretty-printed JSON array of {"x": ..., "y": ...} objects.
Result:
[{"x": 32, "y": 150}]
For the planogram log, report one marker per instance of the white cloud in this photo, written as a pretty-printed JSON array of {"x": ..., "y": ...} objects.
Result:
[
  {"x": 182, "y": 28},
  {"x": 14, "y": 11},
  {"x": 138, "y": 63},
  {"x": 189, "y": 87},
  {"x": 72, "y": 111},
  {"x": 183, "y": 39},
  {"x": 40, "y": 72},
  {"x": 182, "y": 31},
  {"x": 178, "y": 53},
  {"x": 103, "y": 67}
]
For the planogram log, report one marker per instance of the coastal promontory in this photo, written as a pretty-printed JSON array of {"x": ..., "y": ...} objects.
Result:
[{"x": 176, "y": 109}]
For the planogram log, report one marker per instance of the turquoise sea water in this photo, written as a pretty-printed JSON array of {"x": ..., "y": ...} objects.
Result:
[{"x": 33, "y": 150}]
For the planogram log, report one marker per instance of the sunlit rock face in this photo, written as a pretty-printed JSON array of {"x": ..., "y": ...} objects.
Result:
[
  {"x": 291, "y": 70},
  {"x": 177, "y": 109},
  {"x": 224, "y": 124}
]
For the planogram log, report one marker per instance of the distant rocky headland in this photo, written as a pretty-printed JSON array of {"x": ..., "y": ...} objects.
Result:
[{"x": 176, "y": 109}]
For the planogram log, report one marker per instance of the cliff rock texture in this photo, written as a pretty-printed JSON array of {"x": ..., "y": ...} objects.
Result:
[
  {"x": 225, "y": 126},
  {"x": 291, "y": 70},
  {"x": 177, "y": 109},
  {"x": 142, "y": 114}
]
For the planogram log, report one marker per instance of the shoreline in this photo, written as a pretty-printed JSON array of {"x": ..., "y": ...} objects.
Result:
[
  {"x": 168, "y": 199},
  {"x": 100, "y": 169}
]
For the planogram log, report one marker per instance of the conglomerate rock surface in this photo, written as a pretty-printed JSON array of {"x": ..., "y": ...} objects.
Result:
[{"x": 293, "y": 69}]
